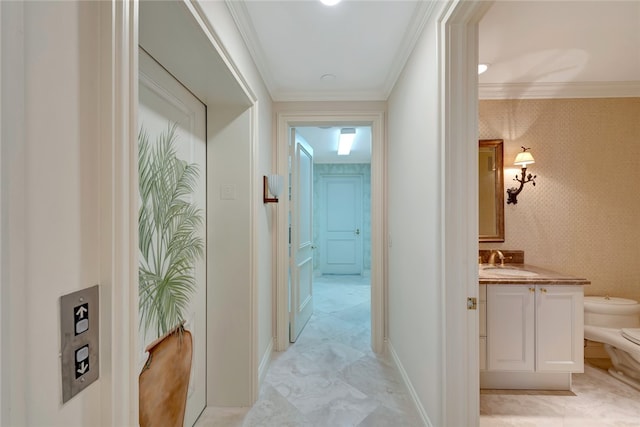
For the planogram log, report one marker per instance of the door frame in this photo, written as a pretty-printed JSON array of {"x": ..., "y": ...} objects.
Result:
[
  {"x": 458, "y": 129},
  {"x": 376, "y": 119},
  {"x": 119, "y": 197}
]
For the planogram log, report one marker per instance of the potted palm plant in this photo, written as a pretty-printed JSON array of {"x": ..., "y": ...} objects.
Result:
[{"x": 169, "y": 244}]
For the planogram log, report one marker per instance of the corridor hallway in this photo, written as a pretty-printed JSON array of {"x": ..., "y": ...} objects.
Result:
[{"x": 329, "y": 377}]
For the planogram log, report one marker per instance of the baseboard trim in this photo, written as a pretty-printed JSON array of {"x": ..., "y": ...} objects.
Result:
[
  {"x": 407, "y": 382},
  {"x": 504, "y": 380},
  {"x": 265, "y": 361}
]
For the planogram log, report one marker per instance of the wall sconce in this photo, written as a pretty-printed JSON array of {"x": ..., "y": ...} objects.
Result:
[
  {"x": 271, "y": 184},
  {"x": 522, "y": 159}
]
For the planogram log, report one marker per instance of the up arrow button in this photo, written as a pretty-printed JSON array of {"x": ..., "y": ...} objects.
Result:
[
  {"x": 81, "y": 318},
  {"x": 82, "y": 310}
]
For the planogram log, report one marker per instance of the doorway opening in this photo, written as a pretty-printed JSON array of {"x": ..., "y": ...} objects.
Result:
[
  {"x": 337, "y": 281},
  {"x": 286, "y": 122}
]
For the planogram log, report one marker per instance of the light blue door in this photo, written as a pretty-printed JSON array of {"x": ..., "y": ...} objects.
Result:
[{"x": 341, "y": 236}]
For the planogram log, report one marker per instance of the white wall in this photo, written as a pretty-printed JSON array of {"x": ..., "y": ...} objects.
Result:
[
  {"x": 12, "y": 182},
  {"x": 2, "y": 215},
  {"x": 51, "y": 199},
  {"x": 262, "y": 156},
  {"x": 229, "y": 274},
  {"x": 51, "y": 185},
  {"x": 414, "y": 224}
]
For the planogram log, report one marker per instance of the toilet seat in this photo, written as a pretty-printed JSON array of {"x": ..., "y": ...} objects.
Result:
[{"x": 632, "y": 334}]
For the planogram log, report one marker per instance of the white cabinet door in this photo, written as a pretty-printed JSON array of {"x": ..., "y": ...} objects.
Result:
[
  {"x": 560, "y": 329},
  {"x": 510, "y": 328}
]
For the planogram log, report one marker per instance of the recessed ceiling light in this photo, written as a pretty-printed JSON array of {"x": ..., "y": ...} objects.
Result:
[
  {"x": 482, "y": 68},
  {"x": 330, "y": 2}
]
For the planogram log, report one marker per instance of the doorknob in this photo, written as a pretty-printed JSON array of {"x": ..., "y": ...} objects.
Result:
[{"x": 357, "y": 231}]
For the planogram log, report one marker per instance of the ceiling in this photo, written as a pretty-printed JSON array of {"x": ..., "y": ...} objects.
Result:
[
  {"x": 543, "y": 49},
  {"x": 359, "y": 46},
  {"x": 363, "y": 45},
  {"x": 535, "y": 48}
]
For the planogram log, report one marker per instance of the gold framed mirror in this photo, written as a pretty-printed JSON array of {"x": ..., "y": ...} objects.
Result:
[{"x": 490, "y": 191}]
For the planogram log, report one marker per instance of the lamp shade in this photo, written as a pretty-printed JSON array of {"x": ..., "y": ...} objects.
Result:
[
  {"x": 523, "y": 159},
  {"x": 275, "y": 185}
]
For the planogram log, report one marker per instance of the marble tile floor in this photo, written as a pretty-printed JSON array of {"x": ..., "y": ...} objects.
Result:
[
  {"x": 597, "y": 400},
  {"x": 329, "y": 377}
]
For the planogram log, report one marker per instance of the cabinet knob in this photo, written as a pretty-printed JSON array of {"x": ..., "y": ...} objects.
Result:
[
  {"x": 543, "y": 290},
  {"x": 532, "y": 289}
]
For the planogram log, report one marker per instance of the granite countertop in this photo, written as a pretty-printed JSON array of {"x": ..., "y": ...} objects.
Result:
[{"x": 525, "y": 274}]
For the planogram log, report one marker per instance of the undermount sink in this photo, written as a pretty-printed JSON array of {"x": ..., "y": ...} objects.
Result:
[{"x": 509, "y": 272}]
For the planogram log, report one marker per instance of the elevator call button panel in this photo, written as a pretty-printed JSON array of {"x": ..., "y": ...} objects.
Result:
[{"x": 79, "y": 340}]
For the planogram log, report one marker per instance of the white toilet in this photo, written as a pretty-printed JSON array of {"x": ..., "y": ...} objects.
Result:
[{"x": 615, "y": 322}]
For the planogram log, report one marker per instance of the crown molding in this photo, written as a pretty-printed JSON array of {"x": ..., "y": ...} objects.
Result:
[
  {"x": 241, "y": 17},
  {"x": 285, "y": 96},
  {"x": 423, "y": 12},
  {"x": 629, "y": 89}
]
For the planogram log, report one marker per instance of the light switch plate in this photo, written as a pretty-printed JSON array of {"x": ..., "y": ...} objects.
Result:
[{"x": 227, "y": 192}]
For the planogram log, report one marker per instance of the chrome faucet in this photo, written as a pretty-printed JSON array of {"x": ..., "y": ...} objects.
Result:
[{"x": 492, "y": 257}]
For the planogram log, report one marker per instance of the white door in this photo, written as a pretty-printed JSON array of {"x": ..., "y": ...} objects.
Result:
[
  {"x": 301, "y": 258},
  {"x": 164, "y": 101},
  {"x": 341, "y": 224}
]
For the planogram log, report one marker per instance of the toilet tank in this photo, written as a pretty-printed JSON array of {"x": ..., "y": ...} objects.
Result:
[{"x": 611, "y": 312}]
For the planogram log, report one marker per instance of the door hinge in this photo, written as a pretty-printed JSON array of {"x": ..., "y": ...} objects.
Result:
[{"x": 472, "y": 303}]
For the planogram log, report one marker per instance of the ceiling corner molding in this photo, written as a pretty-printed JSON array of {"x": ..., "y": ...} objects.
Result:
[
  {"x": 309, "y": 96},
  {"x": 423, "y": 12},
  {"x": 241, "y": 17},
  {"x": 630, "y": 89}
]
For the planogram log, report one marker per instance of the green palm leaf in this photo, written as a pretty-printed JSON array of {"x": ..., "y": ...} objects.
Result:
[{"x": 169, "y": 242}]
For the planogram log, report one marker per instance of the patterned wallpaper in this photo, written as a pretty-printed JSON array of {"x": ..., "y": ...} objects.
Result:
[
  {"x": 583, "y": 215},
  {"x": 363, "y": 169}
]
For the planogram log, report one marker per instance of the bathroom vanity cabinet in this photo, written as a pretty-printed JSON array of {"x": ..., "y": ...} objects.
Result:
[
  {"x": 535, "y": 328},
  {"x": 531, "y": 334}
]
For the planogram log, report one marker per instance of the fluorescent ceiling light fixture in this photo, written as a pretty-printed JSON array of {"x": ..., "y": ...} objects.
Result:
[
  {"x": 330, "y": 2},
  {"x": 347, "y": 135},
  {"x": 482, "y": 68}
]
